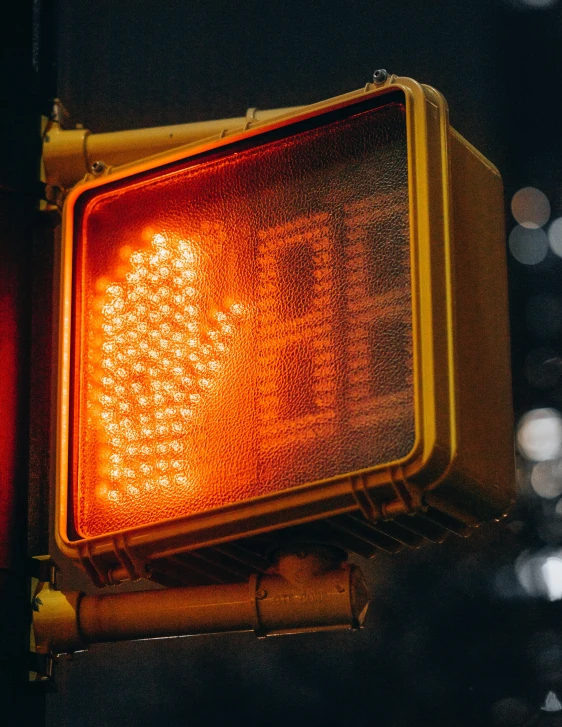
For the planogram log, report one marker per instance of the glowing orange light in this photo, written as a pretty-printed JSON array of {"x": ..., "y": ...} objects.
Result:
[
  {"x": 161, "y": 357},
  {"x": 242, "y": 328}
]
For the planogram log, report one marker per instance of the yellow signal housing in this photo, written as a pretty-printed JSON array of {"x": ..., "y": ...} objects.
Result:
[{"x": 295, "y": 331}]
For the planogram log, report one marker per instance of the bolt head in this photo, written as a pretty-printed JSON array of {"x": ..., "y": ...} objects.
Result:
[
  {"x": 380, "y": 76},
  {"x": 98, "y": 167}
]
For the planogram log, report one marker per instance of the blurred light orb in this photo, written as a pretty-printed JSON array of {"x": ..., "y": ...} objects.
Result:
[
  {"x": 555, "y": 236},
  {"x": 551, "y": 571},
  {"x": 524, "y": 572},
  {"x": 530, "y": 207},
  {"x": 546, "y": 479},
  {"x": 540, "y": 574},
  {"x": 551, "y": 703},
  {"x": 539, "y": 435},
  {"x": 528, "y": 246},
  {"x": 532, "y": 4},
  {"x": 511, "y": 711}
]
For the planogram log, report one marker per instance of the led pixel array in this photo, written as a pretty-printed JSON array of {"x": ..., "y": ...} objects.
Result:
[{"x": 158, "y": 359}]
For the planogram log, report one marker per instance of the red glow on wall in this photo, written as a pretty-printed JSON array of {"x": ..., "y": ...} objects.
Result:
[{"x": 14, "y": 364}]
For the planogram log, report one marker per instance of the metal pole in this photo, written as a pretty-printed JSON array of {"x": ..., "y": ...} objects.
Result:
[
  {"x": 309, "y": 592},
  {"x": 69, "y": 154},
  {"x": 26, "y": 82}
]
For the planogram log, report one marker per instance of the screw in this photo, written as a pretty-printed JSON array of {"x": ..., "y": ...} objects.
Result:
[
  {"x": 340, "y": 589},
  {"x": 98, "y": 168},
  {"x": 380, "y": 76},
  {"x": 261, "y": 594}
]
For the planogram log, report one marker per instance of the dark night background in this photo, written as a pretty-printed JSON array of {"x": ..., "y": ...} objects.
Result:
[{"x": 465, "y": 633}]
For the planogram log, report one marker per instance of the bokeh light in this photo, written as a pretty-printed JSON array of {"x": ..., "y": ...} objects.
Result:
[
  {"x": 555, "y": 236},
  {"x": 533, "y": 4},
  {"x": 540, "y": 573},
  {"x": 511, "y": 711},
  {"x": 551, "y": 703},
  {"x": 539, "y": 435},
  {"x": 530, "y": 207},
  {"x": 546, "y": 478},
  {"x": 551, "y": 571},
  {"x": 528, "y": 246},
  {"x": 527, "y": 567}
]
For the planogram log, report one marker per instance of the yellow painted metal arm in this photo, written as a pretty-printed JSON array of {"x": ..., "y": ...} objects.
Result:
[
  {"x": 70, "y": 154},
  {"x": 310, "y": 591}
]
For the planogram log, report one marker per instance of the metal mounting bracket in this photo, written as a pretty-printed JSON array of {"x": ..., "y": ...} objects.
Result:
[{"x": 42, "y": 569}]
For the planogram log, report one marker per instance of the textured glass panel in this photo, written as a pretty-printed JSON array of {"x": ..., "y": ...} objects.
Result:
[{"x": 243, "y": 325}]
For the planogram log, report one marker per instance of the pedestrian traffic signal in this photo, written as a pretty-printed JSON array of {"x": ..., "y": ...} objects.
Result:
[{"x": 296, "y": 321}]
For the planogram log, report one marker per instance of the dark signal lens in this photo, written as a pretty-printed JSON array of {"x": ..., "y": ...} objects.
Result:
[{"x": 243, "y": 324}]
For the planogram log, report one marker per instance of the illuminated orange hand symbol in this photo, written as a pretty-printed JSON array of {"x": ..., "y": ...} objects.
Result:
[{"x": 160, "y": 358}]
